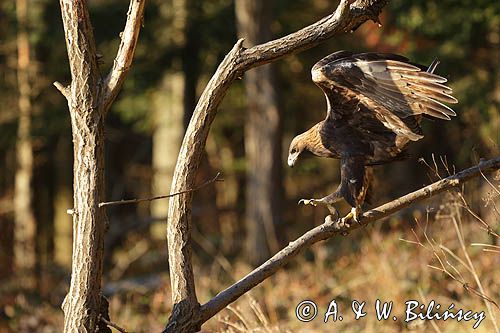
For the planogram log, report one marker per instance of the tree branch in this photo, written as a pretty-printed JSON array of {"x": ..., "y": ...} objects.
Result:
[
  {"x": 331, "y": 228},
  {"x": 125, "y": 54},
  {"x": 133, "y": 201},
  {"x": 186, "y": 310},
  {"x": 115, "y": 326},
  {"x": 345, "y": 18},
  {"x": 65, "y": 91}
]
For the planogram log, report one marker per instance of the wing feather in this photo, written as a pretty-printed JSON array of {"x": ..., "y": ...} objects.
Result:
[{"x": 387, "y": 80}]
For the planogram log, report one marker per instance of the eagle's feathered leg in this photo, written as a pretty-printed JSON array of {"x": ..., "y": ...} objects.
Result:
[
  {"x": 328, "y": 201},
  {"x": 359, "y": 178},
  {"x": 355, "y": 180}
]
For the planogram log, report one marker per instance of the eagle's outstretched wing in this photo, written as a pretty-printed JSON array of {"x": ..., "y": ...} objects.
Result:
[{"x": 387, "y": 87}]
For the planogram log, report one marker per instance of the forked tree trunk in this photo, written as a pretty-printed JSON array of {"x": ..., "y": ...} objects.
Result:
[
  {"x": 89, "y": 97},
  {"x": 262, "y": 137},
  {"x": 25, "y": 224}
]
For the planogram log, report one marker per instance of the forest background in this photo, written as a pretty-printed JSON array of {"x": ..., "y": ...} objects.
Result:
[{"x": 240, "y": 221}]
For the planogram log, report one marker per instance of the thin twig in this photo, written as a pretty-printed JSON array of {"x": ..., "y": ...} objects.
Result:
[
  {"x": 110, "y": 323},
  {"x": 134, "y": 201},
  {"x": 481, "y": 291},
  {"x": 485, "y": 245},
  {"x": 489, "y": 182},
  {"x": 62, "y": 89}
]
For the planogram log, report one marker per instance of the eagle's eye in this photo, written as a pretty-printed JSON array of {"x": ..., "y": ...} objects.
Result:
[{"x": 294, "y": 150}]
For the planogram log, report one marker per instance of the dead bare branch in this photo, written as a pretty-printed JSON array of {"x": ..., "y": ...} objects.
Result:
[
  {"x": 134, "y": 201},
  {"x": 125, "y": 54},
  {"x": 115, "y": 326},
  {"x": 65, "y": 91}
]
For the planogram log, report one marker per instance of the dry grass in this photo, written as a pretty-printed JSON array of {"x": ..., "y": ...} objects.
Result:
[{"x": 449, "y": 254}]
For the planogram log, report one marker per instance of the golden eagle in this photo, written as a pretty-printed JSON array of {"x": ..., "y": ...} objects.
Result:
[{"x": 375, "y": 103}]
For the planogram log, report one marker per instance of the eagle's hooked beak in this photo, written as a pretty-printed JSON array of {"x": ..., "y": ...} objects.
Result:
[{"x": 292, "y": 158}]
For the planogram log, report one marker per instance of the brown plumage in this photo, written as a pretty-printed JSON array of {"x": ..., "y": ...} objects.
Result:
[{"x": 375, "y": 103}]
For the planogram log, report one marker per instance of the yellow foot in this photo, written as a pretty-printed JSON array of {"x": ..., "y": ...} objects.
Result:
[
  {"x": 305, "y": 202},
  {"x": 352, "y": 215}
]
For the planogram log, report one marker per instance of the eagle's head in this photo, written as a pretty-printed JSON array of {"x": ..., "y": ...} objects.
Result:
[
  {"x": 309, "y": 141},
  {"x": 297, "y": 146}
]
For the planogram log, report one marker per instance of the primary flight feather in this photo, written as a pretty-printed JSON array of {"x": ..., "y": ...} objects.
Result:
[{"x": 375, "y": 103}]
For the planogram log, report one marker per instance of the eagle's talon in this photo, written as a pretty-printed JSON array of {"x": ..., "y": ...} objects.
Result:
[
  {"x": 346, "y": 222},
  {"x": 353, "y": 215},
  {"x": 356, "y": 220},
  {"x": 347, "y": 218},
  {"x": 306, "y": 202}
]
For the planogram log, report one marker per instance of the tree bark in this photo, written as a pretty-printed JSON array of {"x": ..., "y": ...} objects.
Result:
[
  {"x": 262, "y": 138},
  {"x": 81, "y": 305},
  {"x": 89, "y": 98},
  {"x": 186, "y": 316},
  {"x": 25, "y": 224}
]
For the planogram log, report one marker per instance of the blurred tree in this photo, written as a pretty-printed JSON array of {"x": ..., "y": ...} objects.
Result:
[
  {"x": 173, "y": 103},
  {"x": 168, "y": 111},
  {"x": 8, "y": 133},
  {"x": 25, "y": 224},
  {"x": 262, "y": 137},
  {"x": 62, "y": 202}
]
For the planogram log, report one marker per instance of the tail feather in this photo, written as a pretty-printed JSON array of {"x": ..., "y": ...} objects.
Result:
[{"x": 433, "y": 65}]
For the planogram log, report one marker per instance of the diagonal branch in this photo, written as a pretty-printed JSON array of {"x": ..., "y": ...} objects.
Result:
[
  {"x": 134, "y": 201},
  {"x": 346, "y": 18},
  {"x": 331, "y": 228},
  {"x": 125, "y": 54}
]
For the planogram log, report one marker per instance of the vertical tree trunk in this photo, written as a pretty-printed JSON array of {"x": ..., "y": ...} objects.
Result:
[
  {"x": 169, "y": 113},
  {"x": 167, "y": 138},
  {"x": 25, "y": 225},
  {"x": 174, "y": 103},
  {"x": 89, "y": 97},
  {"x": 262, "y": 138},
  {"x": 81, "y": 305}
]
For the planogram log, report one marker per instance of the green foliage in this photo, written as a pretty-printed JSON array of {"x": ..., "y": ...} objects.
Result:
[{"x": 465, "y": 35}]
